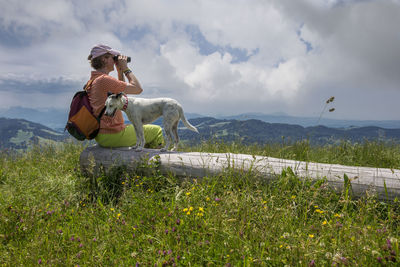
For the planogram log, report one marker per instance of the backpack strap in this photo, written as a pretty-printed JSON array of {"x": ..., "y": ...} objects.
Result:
[
  {"x": 89, "y": 84},
  {"x": 102, "y": 112}
]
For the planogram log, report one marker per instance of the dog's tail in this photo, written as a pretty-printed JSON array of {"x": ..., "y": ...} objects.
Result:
[{"x": 186, "y": 123}]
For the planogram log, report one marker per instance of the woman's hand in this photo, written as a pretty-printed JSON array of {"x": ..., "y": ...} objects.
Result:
[{"x": 121, "y": 63}]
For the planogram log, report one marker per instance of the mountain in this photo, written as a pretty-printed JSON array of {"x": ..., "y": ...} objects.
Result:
[
  {"x": 312, "y": 121},
  {"x": 20, "y": 134},
  {"x": 256, "y": 131},
  {"x": 51, "y": 117},
  {"x": 56, "y": 118}
]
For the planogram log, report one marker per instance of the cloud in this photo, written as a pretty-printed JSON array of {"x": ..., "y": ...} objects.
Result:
[{"x": 214, "y": 56}]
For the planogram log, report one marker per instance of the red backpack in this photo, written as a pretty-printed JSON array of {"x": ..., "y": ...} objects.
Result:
[{"x": 82, "y": 123}]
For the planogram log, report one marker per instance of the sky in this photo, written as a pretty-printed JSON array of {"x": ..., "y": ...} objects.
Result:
[{"x": 216, "y": 57}]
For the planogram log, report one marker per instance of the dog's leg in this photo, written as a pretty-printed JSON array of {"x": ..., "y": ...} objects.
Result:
[
  {"x": 139, "y": 136},
  {"x": 176, "y": 136},
  {"x": 167, "y": 130}
]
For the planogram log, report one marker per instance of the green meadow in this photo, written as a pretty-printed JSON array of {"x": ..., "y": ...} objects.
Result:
[{"x": 50, "y": 214}]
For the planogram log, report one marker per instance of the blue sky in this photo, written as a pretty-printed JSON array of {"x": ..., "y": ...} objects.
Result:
[{"x": 221, "y": 57}]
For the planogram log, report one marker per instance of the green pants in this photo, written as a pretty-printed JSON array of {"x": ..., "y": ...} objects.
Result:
[{"x": 127, "y": 137}]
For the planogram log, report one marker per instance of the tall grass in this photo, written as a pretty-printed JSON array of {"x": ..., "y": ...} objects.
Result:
[{"x": 50, "y": 214}]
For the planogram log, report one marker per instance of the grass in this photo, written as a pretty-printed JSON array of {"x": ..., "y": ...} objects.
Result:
[{"x": 52, "y": 215}]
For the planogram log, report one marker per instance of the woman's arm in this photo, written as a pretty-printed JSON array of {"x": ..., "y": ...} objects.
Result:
[{"x": 133, "y": 86}]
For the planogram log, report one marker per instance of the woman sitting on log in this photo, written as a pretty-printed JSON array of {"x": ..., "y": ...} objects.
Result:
[{"x": 113, "y": 131}]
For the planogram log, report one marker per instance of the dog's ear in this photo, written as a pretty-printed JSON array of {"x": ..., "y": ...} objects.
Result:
[
  {"x": 109, "y": 93},
  {"x": 119, "y": 95}
]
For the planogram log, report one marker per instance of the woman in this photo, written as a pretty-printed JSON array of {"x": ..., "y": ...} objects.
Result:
[{"x": 113, "y": 132}]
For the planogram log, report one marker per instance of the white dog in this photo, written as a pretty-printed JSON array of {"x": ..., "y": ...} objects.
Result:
[{"x": 143, "y": 111}]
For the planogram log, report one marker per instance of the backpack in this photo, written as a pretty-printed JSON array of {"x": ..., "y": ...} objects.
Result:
[{"x": 82, "y": 123}]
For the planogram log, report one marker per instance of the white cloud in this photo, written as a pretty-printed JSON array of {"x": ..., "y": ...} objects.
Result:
[{"x": 248, "y": 55}]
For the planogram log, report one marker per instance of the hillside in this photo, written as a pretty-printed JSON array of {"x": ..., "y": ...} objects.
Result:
[
  {"x": 256, "y": 131},
  {"x": 20, "y": 134}
]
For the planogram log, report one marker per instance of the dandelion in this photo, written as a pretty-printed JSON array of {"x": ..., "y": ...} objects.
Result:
[
  {"x": 324, "y": 222},
  {"x": 311, "y": 236}
]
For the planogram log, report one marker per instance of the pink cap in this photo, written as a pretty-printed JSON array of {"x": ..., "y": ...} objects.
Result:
[{"x": 100, "y": 49}]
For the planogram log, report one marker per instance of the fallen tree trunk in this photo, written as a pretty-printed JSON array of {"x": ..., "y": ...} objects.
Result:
[{"x": 384, "y": 182}]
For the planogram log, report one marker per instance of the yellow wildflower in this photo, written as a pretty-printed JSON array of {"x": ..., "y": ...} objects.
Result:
[
  {"x": 201, "y": 209},
  {"x": 185, "y": 210},
  {"x": 311, "y": 235},
  {"x": 324, "y": 222}
]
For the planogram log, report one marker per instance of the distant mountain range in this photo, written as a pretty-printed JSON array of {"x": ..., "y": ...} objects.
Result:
[
  {"x": 256, "y": 131},
  {"x": 313, "y": 121},
  {"x": 20, "y": 134},
  {"x": 56, "y": 118}
]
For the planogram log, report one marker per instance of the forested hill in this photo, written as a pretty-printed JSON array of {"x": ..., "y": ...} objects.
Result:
[
  {"x": 19, "y": 133},
  {"x": 256, "y": 131}
]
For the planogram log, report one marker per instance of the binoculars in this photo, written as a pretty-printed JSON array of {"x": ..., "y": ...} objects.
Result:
[{"x": 127, "y": 60}]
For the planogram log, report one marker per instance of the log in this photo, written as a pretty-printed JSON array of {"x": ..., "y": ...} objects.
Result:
[{"x": 383, "y": 182}]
